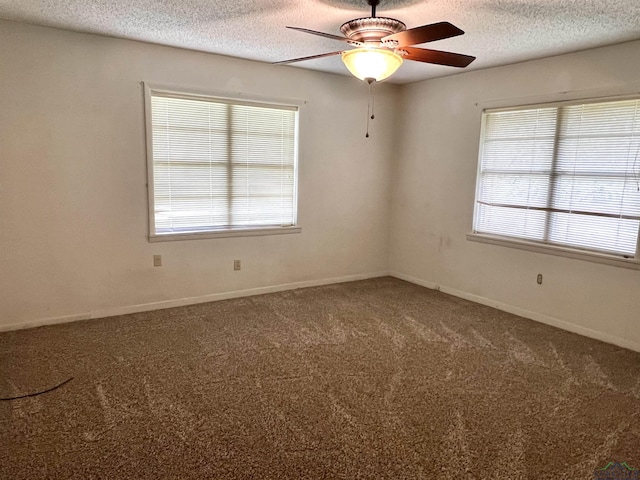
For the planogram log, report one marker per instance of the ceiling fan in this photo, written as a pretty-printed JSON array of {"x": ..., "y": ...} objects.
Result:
[{"x": 382, "y": 44}]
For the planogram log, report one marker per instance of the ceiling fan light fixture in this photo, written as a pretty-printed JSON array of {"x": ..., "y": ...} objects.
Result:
[{"x": 371, "y": 63}]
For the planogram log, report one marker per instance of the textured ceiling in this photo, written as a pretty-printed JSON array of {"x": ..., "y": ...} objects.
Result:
[{"x": 498, "y": 32}]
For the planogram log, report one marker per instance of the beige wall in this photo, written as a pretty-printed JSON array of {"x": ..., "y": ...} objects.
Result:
[
  {"x": 73, "y": 207},
  {"x": 73, "y": 202},
  {"x": 434, "y": 188}
]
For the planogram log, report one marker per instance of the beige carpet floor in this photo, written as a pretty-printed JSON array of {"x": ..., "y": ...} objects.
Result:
[{"x": 373, "y": 379}]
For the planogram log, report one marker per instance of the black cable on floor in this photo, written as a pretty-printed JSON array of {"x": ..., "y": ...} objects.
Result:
[{"x": 40, "y": 392}]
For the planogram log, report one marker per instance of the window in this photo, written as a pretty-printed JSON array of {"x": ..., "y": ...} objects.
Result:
[
  {"x": 220, "y": 166},
  {"x": 563, "y": 175}
]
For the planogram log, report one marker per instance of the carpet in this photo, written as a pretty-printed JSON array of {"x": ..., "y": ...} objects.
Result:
[{"x": 373, "y": 379}]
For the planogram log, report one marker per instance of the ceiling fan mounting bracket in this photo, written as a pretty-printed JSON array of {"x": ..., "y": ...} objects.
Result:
[{"x": 373, "y": 4}]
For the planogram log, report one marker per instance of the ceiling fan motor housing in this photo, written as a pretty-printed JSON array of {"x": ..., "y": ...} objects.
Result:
[{"x": 371, "y": 29}]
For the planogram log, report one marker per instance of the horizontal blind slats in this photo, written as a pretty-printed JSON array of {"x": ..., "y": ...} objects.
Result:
[
  {"x": 567, "y": 175},
  {"x": 220, "y": 165}
]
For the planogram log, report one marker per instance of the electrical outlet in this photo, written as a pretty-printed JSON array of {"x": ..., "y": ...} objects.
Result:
[
  {"x": 157, "y": 260},
  {"x": 539, "y": 279},
  {"x": 236, "y": 265}
]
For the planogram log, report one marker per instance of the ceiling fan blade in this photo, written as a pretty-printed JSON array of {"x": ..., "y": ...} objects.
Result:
[
  {"x": 321, "y": 34},
  {"x": 425, "y": 33},
  {"x": 293, "y": 60},
  {"x": 436, "y": 56}
]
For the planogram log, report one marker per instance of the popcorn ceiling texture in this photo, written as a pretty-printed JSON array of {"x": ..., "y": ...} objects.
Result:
[
  {"x": 498, "y": 32},
  {"x": 379, "y": 379}
]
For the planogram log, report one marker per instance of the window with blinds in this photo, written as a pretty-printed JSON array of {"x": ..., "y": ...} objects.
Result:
[
  {"x": 566, "y": 175},
  {"x": 220, "y": 165}
]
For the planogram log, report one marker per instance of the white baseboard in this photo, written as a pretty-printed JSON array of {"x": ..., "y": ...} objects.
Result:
[
  {"x": 41, "y": 322},
  {"x": 538, "y": 317},
  {"x": 181, "y": 302}
]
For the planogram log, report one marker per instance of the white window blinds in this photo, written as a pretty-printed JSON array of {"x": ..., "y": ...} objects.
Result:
[
  {"x": 565, "y": 175},
  {"x": 221, "y": 165}
]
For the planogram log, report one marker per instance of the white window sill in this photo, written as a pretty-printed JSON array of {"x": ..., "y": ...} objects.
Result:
[
  {"x": 614, "y": 260},
  {"x": 236, "y": 232}
]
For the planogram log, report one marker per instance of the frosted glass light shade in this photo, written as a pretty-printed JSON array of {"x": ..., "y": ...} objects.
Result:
[{"x": 371, "y": 62}]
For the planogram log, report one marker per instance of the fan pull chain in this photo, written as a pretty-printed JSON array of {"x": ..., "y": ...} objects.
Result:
[
  {"x": 371, "y": 102},
  {"x": 368, "y": 110}
]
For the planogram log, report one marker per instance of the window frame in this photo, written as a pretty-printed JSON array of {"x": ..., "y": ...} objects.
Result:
[
  {"x": 618, "y": 260},
  {"x": 236, "y": 98}
]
